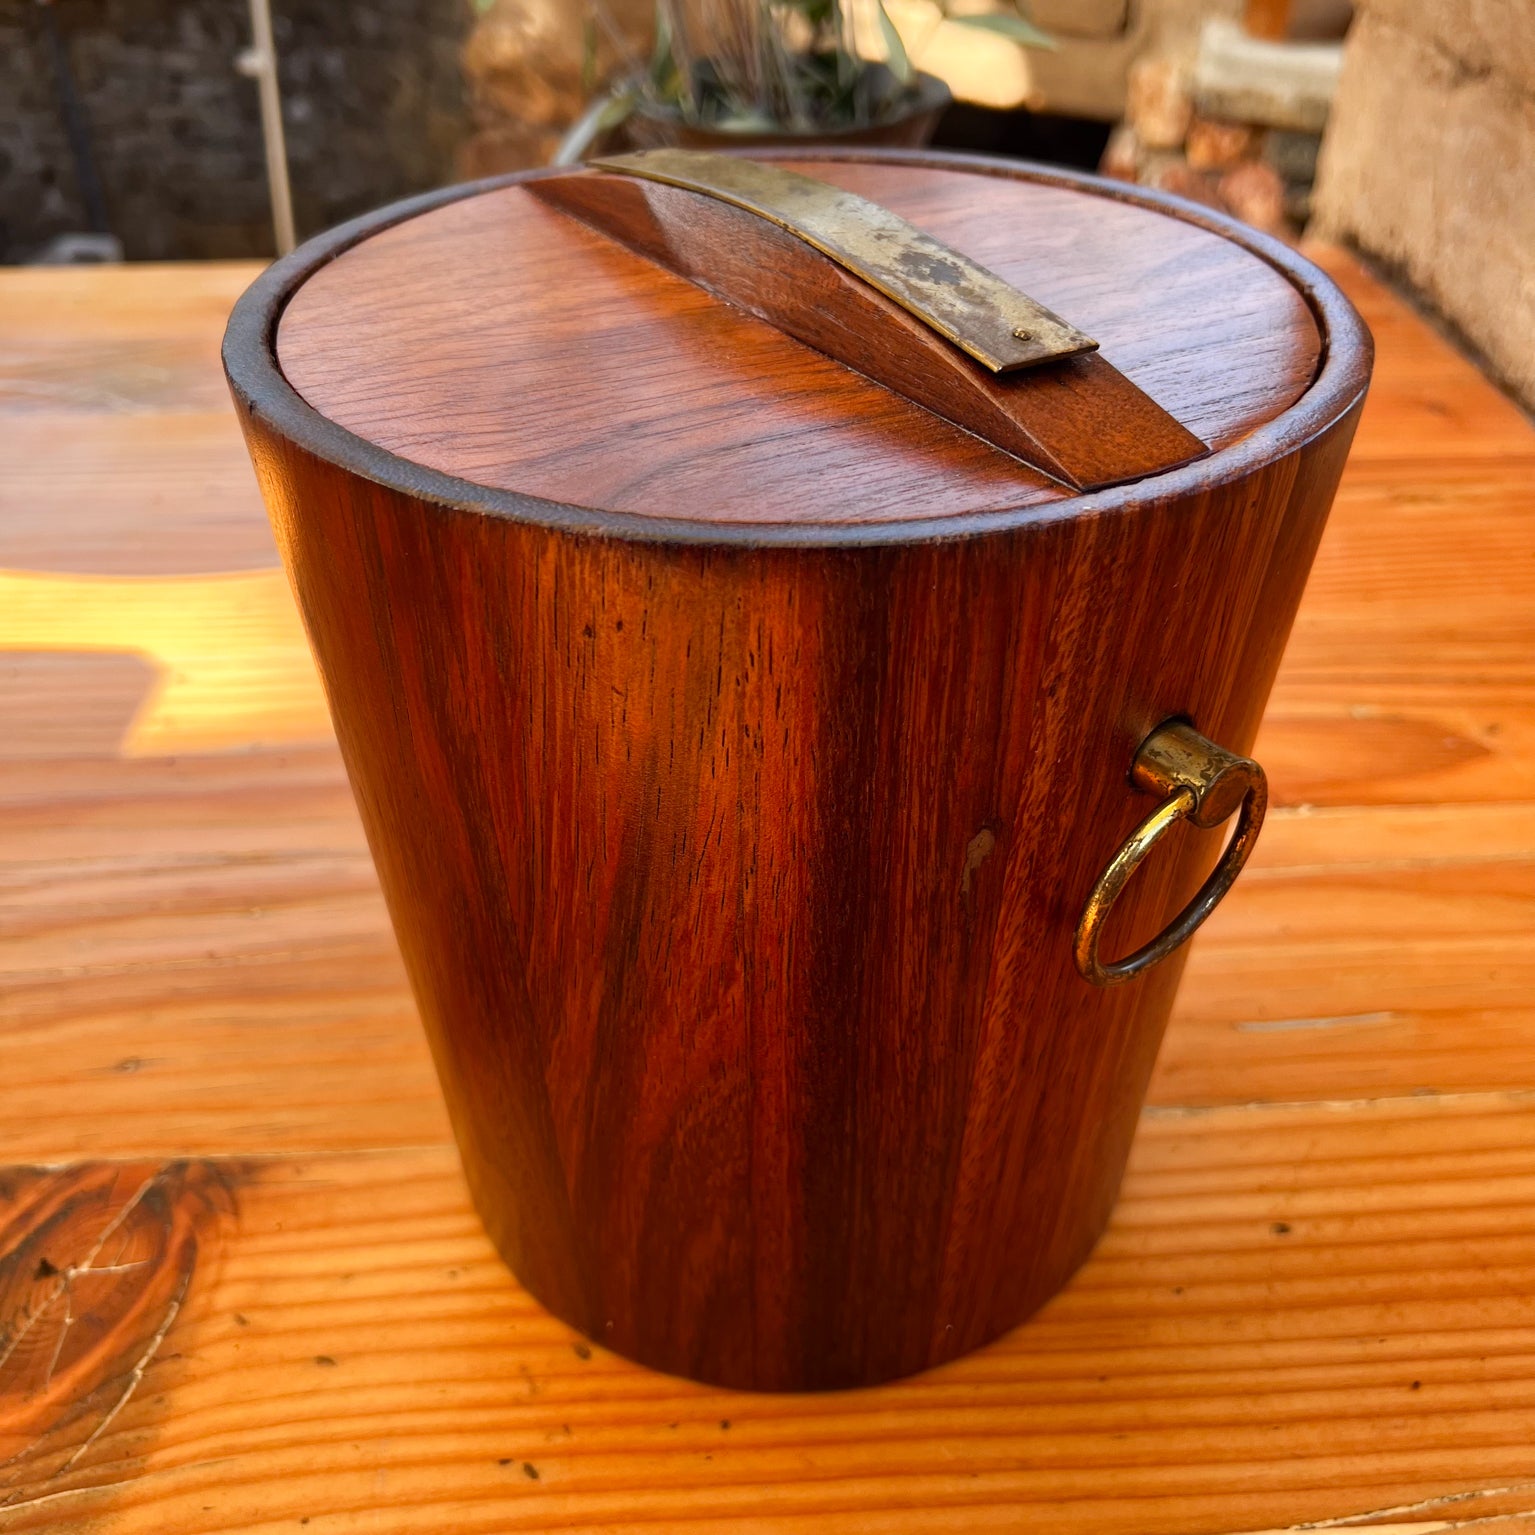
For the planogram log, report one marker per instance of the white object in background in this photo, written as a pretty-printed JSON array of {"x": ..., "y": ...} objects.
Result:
[
  {"x": 259, "y": 63},
  {"x": 1250, "y": 80},
  {"x": 78, "y": 249}
]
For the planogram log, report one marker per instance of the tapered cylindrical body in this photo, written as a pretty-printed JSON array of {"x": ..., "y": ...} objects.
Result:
[{"x": 736, "y": 862}]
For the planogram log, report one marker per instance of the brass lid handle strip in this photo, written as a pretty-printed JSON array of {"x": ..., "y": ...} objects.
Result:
[
  {"x": 972, "y": 307},
  {"x": 1202, "y": 783},
  {"x": 859, "y": 284}
]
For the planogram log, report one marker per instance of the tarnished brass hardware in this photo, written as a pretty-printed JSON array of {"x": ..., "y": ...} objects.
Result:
[
  {"x": 1202, "y": 783},
  {"x": 975, "y": 309}
]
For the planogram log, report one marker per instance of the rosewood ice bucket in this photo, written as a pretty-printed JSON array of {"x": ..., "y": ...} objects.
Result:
[{"x": 795, "y": 632}]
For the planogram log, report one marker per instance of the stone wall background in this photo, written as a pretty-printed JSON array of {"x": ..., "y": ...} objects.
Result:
[
  {"x": 374, "y": 106},
  {"x": 1429, "y": 164}
]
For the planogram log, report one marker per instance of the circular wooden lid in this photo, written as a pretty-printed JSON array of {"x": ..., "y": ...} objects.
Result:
[{"x": 495, "y": 339}]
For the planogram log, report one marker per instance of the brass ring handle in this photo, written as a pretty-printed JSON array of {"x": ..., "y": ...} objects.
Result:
[{"x": 1202, "y": 783}]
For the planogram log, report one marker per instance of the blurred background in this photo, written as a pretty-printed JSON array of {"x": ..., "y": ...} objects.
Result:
[
  {"x": 197, "y": 129},
  {"x": 139, "y": 119},
  {"x": 1315, "y": 1311}
]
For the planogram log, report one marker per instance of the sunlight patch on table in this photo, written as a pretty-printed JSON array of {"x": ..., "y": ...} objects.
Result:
[{"x": 232, "y": 665}]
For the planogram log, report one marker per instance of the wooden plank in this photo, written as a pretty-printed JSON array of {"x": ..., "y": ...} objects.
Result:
[
  {"x": 58, "y": 306},
  {"x": 1365, "y": 952},
  {"x": 259, "y": 1004},
  {"x": 1410, "y": 674},
  {"x": 1423, "y": 547},
  {"x": 230, "y": 665},
  {"x": 1407, "y": 682},
  {"x": 1344, "y": 838},
  {"x": 104, "y": 694},
  {"x": 198, "y": 960},
  {"x": 1298, "y": 1313},
  {"x": 168, "y": 493},
  {"x": 1427, "y": 399},
  {"x": 141, "y": 339},
  {"x": 122, "y": 452},
  {"x": 1340, "y": 743}
]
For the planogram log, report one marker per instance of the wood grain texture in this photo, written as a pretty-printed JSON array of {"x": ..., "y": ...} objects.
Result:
[
  {"x": 97, "y": 1263},
  {"x": 301, "y": 944},
  {"x": 1081, "y": 421},
  {"x": 197, "y": 946},
  {"x": 1299, "y": 1314},
  {"x": 554, "y": 364},
  {"x": 114, "y": 425},
  {"x": 274, "y": 1016},
  {"x": 225, "y": 653},
  {"x": 736, "y": 885}
]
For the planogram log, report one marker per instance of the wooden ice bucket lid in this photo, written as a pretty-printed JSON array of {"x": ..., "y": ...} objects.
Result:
[{"x": 496, "y": 340}]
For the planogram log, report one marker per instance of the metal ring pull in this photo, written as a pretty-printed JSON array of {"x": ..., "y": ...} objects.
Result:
[{"x": 1202, "y": 783}]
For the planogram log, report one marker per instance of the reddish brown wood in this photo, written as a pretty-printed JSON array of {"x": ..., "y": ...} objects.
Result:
[
  {"x": 1081, "y": 420},
  {"x": 736, "y": 869},
  {"x": 498, "y": 341}
]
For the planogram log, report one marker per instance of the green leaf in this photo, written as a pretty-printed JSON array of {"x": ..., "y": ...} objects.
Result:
[
  {"x": 617, "y": 109},
  {"x": 661, "y": 48},
  {"x": 895, "y": 49},
  {"x": 1005, "y": 24},
  {"x": 668, "y": 82}
]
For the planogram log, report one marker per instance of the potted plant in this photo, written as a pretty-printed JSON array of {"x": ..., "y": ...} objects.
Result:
[{"x": 753, "y": 72}]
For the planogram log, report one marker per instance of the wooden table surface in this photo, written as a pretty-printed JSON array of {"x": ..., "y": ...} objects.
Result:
[{"x": 241, "y": 1287}]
